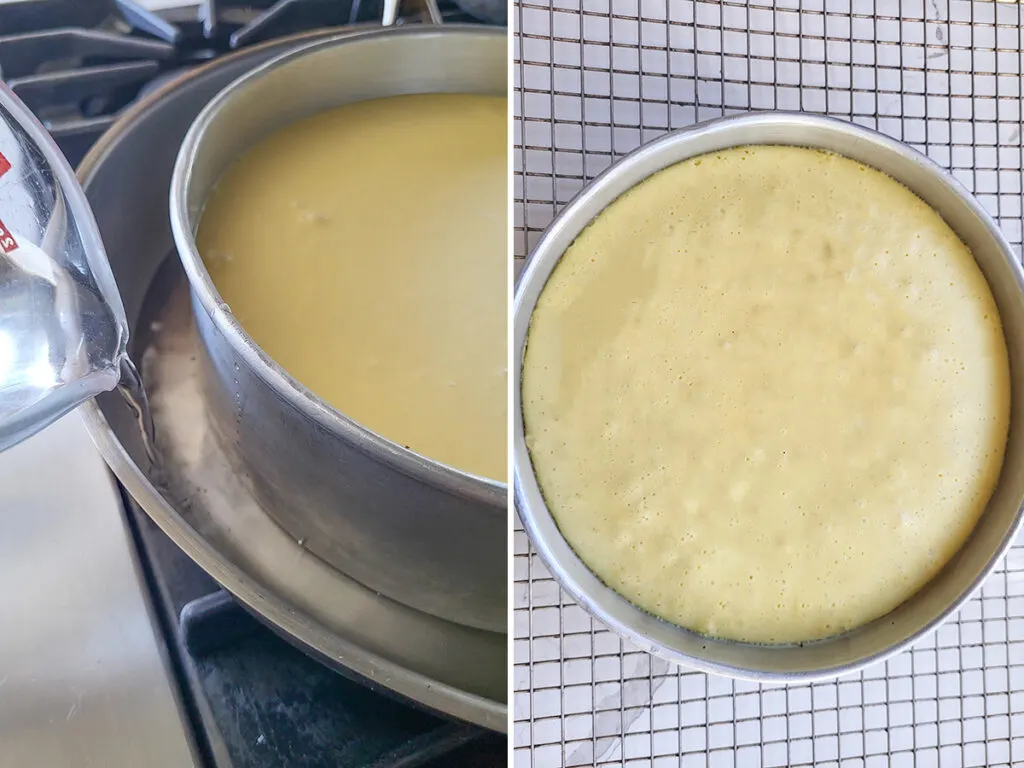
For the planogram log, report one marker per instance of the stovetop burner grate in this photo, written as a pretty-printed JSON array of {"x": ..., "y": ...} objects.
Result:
[
  {"x": 78, "y": 64},
  {"x": 256, "y": 701}
]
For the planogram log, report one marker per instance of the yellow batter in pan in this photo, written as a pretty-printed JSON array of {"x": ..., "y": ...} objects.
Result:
[
  {"x": 364, "y": 249},
  {"x": 766, "y": 394}
]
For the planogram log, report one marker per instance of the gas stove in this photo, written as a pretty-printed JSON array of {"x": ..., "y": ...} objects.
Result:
[{"x": 245, "y": 696}]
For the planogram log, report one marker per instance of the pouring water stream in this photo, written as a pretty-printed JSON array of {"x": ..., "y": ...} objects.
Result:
[{"x": 134, "y": 393}]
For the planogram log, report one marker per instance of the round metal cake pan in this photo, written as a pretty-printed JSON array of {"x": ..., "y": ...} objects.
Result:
[
  {"x": 423, "y": 533},
  {"x": 997, "y": 527},
  {"x": 443, "y": 666}
]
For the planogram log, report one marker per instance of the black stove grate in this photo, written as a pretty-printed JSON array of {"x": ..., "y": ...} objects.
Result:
[
  {"x": 257, "y": 702},
  {"x": 78, "y": 63}
]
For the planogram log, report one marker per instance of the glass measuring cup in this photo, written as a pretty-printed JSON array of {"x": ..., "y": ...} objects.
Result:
[{"x": 63, "y": 330}]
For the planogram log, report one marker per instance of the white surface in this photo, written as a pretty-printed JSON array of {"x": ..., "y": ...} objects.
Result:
[
  {"x": 82, "y": 678},
  {"x": 943, "y": 75}
]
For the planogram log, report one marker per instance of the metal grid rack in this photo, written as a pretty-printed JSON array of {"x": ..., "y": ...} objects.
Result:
[{"x": 594, "y": 79}]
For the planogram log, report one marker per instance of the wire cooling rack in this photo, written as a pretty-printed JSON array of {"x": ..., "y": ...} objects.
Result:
[{"x": 594, "y": 79}]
